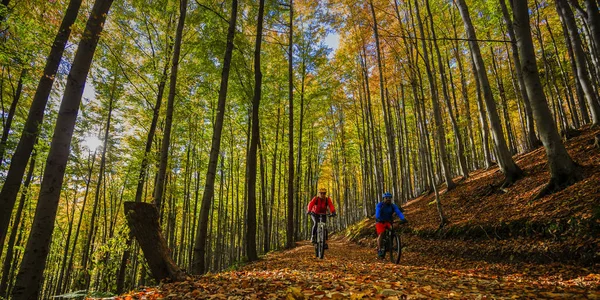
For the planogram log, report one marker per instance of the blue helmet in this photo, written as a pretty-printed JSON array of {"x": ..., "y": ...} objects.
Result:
[{"x": 387, "y": 195}]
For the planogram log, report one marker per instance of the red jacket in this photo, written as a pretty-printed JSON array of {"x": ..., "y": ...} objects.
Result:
[{"x": 319, "y": 206}]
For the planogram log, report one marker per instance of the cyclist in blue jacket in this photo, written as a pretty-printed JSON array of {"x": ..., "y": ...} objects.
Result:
[{"x": 383, "y": 215}]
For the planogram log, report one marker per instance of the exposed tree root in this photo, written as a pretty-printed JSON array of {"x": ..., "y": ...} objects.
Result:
[
  {"x": 451, "y": 186},
  {"x": 511, "y": 178},
  {"x": 559, "y": 183}
]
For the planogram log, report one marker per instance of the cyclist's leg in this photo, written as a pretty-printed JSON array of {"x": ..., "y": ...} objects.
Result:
[
  {"x": 314, "y": 228},
  {"x": 326, "y": 231},
  {"x": 380, "y": 228}
]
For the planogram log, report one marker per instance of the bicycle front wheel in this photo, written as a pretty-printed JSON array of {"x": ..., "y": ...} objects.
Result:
[
  {"x": 321, "y": 243},
  {"x": 395, "y": 248}
]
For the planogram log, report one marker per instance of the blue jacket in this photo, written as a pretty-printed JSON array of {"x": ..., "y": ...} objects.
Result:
[{"x": 383, "y": 212}]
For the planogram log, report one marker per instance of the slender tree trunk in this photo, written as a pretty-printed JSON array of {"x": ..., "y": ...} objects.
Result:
[
  {"x": 290, "y": 205},
  {"x": 593, "y": 21},
  {"x": 562, "y": 168},
  {"x": 35, "y": 118},
  {"x": 503, "y": 101},
  {"x": 439, "y": 123},
  {"x": 462, "y": 162},
  {"x": 583, "y": 74},
  {"x": 531, "y": 140},
  {"x": 386, "y": 111},
  {"x": 8, "y": 258},
  {"x": 86, "y": 250},
  {"x": 30, "y": 277},
  {"x": 198, "y": 264},
  {"x": 10, "y": 116},
  {"x": 166, "y": 141},
  {"x": 251, "y": 177},
  {"x": 511, "y": 171}
]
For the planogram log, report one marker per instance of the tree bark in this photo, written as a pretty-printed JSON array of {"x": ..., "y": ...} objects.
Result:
[
  {"x": 8, "y": 258},
  {"x": 10, "y": 116},
  {"x": 511, "y": 171},
  {"x": 439, "y": 123},
  {"x": 30, "y": 277},
  {"x": 290, "y": 205},
  {"x": 166, "y": 141},
  {"x": 462, "y": 162},
  {"x": 530, "y": 138},
  {"x": 562, "y": 168},
  {"x": 386, "y": 111},
  {"x": 583, "y": 74},
  {"x": 252, "y": 162},
  {"x": 142, "y": 219},
  {"x": 12, "y": 183},
  {"x": 198, "y": 264}
]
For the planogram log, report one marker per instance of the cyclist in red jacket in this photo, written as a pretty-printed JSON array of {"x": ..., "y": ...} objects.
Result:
[{"x": 318, "y": 205}]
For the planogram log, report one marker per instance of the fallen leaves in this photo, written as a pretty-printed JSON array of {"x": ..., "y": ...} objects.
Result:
[{"x": 353, "y": 272}]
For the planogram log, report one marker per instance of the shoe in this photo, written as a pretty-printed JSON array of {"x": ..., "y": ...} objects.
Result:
[
  {"x": 381, "y": 253},
  {"x": 326, "y": 246}
]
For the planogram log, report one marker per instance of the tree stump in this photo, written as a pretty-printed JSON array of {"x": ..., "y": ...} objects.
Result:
[
  {"x": 142, "y": 219},
  {"x": 597, "y": 141}
]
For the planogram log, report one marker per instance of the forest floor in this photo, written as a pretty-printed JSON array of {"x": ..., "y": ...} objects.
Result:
[
  {"x": 498, "y": 243},
  {"x": 351, "y": 271}
]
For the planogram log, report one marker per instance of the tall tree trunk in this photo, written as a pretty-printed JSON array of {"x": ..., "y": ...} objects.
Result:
[
  {"x": 198, "y": 264},
  {"x": 439, "y": 123},
  {"x": 86, "y": 250},
  {"x": 35, "y": 118},
  {"x": 252, "y": 162},
  {"x": 7, "y": 266},
  {"x": 11, "y": 114},
  {"x": 503, "y": 101},
  {"x": 290, "y": 205},
  {"x": 562, "y": 168},
  {"x": 530, "y": 138},
  {"x": 583, "y": 74},
  {"x": 30, "y": 277},
  {"x": 511, "y": 171},
  {"x": 386, "y": 111},
  {"x": 593, "y": 21},
  {"x": 462, "y": 162},
  {"x": 166, "y": 141}
]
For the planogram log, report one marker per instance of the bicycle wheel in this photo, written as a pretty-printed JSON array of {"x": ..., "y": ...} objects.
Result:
[
  {"x": 321, "y": 242},
  {"x": 317, "y": 243},
  {"x": 395, "y": 247}
]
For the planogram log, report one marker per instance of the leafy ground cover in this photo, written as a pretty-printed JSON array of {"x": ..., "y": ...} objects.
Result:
[
  {"x": 351, "y": 271},
  {"x": 500, "y": 243}
]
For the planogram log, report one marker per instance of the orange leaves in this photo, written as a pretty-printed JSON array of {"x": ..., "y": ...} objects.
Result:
[{"x": 353, "y": 272}]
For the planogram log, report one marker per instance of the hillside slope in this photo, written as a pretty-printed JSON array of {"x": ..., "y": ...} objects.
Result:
[{"x": 493, "y": 224}]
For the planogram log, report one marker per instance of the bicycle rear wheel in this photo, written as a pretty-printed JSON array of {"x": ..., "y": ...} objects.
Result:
[{"x": 395, "y": 247}]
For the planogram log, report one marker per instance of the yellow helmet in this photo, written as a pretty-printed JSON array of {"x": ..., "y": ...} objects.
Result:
[{"x": 322, "y": 190}]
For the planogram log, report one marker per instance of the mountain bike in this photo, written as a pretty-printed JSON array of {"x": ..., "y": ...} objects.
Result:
[
  {"x": 392, "y": 243},
  {"x": 321, "y": 234}
]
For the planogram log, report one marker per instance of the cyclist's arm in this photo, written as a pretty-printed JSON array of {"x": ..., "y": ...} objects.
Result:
[
  {"x": 398, "y": 212},
  {"x": 311, "y": 204},
  {"x": 331, "y": 207},
  {"x": 378, "y": 211}
]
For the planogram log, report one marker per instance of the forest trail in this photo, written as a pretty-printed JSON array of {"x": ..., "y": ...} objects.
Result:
[{"x": 350, "y": 271}]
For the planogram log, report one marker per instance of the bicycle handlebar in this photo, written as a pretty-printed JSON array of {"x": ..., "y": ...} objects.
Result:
[{"x": 327, "y": 214}]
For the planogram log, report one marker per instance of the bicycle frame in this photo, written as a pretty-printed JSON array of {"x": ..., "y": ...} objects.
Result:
[
  {"x": 387, "y": 242},
  {"x": 321, "y": 235}
]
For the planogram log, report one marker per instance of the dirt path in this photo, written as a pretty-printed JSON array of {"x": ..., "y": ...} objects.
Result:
[{"x": 350, "y": 271}]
